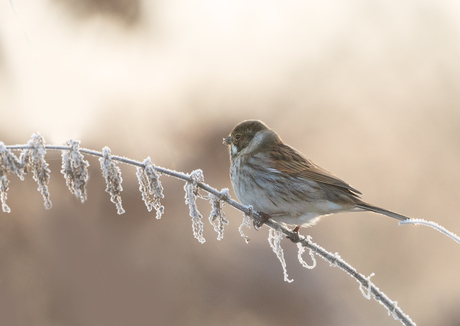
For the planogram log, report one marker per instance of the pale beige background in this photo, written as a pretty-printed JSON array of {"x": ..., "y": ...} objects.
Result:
[{"x": 368, "y": 90}]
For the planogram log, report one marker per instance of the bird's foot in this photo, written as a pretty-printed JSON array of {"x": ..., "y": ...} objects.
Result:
[
  {"x": 295, "y": 236},
  {"x": 258, "y": 223}
]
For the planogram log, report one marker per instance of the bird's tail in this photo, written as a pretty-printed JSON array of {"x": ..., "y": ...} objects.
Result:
[{"x": 382, "y": 211}]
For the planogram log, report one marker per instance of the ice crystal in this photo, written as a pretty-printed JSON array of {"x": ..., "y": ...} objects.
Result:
[
  {"x": 33, "y": 159},
  {"x": 9, "y": 163},
  {"x": 4, "y": 182},
  {"x": 217, "y": 216},
  {"x": 112, "y": 174},
  {"x": 367, "y": 291},
  {"x": 75, "y": 170},
  {"x": 274, "y": 239},
  {"x": 150, "y": 187},
  {"x": 191, "y": 192},
  {"x": 392, "y": 312},
  {"x": 433, "y": 225},
  {"x": 246, "y": 222},
  {"x": 300, "y": 253}
]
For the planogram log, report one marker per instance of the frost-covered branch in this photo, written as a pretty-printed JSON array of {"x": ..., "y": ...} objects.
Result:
[
  {"x": 336, "y": 261},
  {"x": 75, "y": 170},
  {"x": 433, "y": 225}
]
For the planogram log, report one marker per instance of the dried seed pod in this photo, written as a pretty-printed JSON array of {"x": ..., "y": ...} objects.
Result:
[
  {"x": 75, "y": 170},
  {"x": 150, "y": 187},
  {"x": 112, "y": 174}
]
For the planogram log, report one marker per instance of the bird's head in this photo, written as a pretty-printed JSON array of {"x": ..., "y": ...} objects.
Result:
[{"x": 250, "y": 133}]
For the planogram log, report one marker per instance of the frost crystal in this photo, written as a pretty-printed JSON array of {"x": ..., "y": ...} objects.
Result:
[
  {"x": 191, "y": 192},
  {"x": 8, "y": 163},
  {"x": 245, "y": 223},
  {"x": 367, "y": 292},
  {"x": 301, "y": 251},
  {"x": 274, "y": 239},
  {"x": 433, "y": 225},
  {"x": 217, "y": 217},
  {"x": 393, "y": 311},
  {"x": 112, "y": 174},
  {"x": 75, "y": 170},
  {"x": 150, "y": 187},
  {"x": 34, "y": 159},
  {"x": 3, "y": 189}
]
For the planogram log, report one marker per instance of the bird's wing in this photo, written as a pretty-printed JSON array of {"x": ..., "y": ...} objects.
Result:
[{"x": 288, "y": 160}]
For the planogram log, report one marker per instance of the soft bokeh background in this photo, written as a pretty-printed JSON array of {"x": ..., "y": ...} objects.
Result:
[{"x": 368, "y": 90}]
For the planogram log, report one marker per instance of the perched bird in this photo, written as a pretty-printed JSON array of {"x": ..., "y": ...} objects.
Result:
[{"x": 282, "y": 184}]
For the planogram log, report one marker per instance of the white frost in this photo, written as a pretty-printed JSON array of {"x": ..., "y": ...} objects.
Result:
[
  {"x": 217, "y": 216},
  {"x": 300, "y": 253},
  {"x": 75, "y": 170},
  {"x": 150, "y": 187},
  {"x": 433, "y": 225},
  {"x": 191, "y": 192},
  {"x": 246, "y": 223},
  {"x": 367, "y": 292},
  {"x": 274, "y": 239},
  {"x": 34, "y": 159},
  {"x": 112, "y": 174}
]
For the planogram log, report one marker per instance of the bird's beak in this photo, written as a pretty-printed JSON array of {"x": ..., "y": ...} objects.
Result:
[{"x": 227, "y": 141}]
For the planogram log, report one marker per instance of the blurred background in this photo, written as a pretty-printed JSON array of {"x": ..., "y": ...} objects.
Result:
[{"x": 367, "y": 90}]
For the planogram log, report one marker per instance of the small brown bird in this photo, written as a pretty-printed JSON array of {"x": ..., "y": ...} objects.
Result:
[{"x": 282, "y": 184}]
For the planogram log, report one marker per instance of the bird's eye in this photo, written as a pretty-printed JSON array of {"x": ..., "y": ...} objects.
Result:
[{"x": 237, "y": 136}]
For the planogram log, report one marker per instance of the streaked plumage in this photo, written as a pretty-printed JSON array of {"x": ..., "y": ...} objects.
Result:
[{"x": 278, "y": 180}]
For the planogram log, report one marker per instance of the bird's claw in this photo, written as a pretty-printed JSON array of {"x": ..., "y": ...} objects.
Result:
[
  {"x": 259, "y": 222},
  {"x": 294, "y": 237}
]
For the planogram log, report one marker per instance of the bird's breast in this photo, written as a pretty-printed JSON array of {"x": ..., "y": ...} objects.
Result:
[
  {"x": 256, "y": 184},
  {"x": 287, "y": 199}
]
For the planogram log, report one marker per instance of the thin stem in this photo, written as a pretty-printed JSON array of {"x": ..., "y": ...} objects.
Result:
[{"x": 172, "y": 173}]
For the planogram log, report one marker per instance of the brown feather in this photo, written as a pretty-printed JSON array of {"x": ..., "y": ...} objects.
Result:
[{"x": 290, "y": 161}]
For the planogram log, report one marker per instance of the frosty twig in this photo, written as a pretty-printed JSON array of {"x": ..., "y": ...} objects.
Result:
[{"x": 75, "y": 170}]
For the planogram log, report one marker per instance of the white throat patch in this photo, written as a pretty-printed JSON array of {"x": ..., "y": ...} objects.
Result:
[{"x": 234, "y": 150}]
